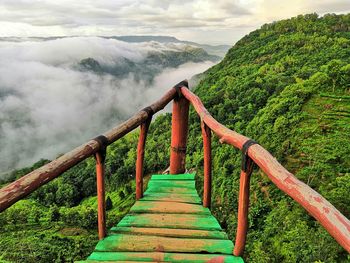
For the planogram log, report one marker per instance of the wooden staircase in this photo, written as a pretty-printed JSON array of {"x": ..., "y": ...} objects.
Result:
[{"x": 168, "y": 224}]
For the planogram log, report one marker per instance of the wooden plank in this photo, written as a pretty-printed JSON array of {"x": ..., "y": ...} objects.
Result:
[
  {"x": 173, "y": 177},
  {"x": 180, "y": 221},
  {"x": 183, "y": 184},
  {"x": 161, "y": 257},
  {"x": 168, "y": 207},
  {"x": 137, "y": 243},
  {"x": 170, "y": 190},
  {"x": 167, "y": 197},
  {"x": 167, "y": 225},
  {"x": 170, "y": 232}
]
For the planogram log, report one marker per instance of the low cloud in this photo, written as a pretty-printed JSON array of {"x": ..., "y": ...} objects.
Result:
[
  {"x": 48, "y": 106},
  {"x": 225, "y": 21}
]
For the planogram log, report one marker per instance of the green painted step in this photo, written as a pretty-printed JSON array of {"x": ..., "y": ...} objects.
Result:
[
  {"x": 168, "y": 197},
  {"x": 137, "y": 243},
  {"x": 180, "y": 221},
  {"x": 170, "y": 190},
  {"x": 168, "y": 207},
  {"x": 168, "y": 224},
  {"x": 172, "y": 183},
  {"x": 161, "y": 257},
  {"x": 169, "y": 232},
  {"x": 173, "y": 177}
]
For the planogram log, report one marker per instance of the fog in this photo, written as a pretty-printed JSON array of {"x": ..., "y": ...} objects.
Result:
[{"x": 49, "y": 106}]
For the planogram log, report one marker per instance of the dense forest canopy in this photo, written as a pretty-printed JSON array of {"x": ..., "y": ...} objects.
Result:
[{"x": 287, "y": 86}]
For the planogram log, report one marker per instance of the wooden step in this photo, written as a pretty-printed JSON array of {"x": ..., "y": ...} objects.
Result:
[
  {"x": 137, "y": 243},
  {"x": 172, "y": 183},
  {"x": 173, "y": 177},
  {"x": 161, "y": 257},
  {"x": 168, "y": 207},
  {"x": 170, "y": 190},
  {"x": 168, "y": 224},
  {"x": 179, "y": 221},
  {"x": 167, "y": 197},
  {"x": 169, "y": 232}
]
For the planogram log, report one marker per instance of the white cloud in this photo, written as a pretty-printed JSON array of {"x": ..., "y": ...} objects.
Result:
[
  {"x": 47, "y": 106},
  {"x": 227, "y": 20}
]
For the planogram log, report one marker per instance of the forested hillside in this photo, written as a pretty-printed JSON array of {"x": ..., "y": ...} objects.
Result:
[{"x": 287, "y": 86}]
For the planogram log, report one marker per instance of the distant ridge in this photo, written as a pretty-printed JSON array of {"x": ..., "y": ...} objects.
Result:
[{"x": 217, "y": 50}]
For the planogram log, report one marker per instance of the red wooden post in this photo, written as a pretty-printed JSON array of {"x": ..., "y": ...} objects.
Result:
[
  {"x": 140, "y": 157},
  {"x": 101, "y": 204},
  {"x": 179, "y": 131},
  {"x": 243, "y": 207},
  {"x": 206, "y": 134}
]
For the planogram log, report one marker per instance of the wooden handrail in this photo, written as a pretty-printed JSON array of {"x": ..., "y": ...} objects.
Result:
[
  {"x": 27, "y": 184},
  {"x": 324, "y": 212}
]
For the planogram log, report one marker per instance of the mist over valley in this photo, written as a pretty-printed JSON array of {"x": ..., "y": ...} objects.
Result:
[{"x": 57, "y": 93}]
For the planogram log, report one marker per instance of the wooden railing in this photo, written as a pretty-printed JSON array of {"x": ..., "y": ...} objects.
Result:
[
  {"x": 27, "y": 184},
  {"x": 324, "y": 212}
]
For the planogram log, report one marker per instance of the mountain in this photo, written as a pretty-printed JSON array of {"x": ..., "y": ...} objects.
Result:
[
  {"x": 152, "y": 64},
  {"x": 218, "y": 50},
  {"x": 285, "y": 85}
]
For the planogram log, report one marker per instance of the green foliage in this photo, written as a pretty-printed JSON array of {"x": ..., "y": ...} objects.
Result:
[
  {"x": 286, "y": 86},
  {"x": 291, "y": 237},
  {"x": 37, "y": 244},
  {"x": 55, "y": 234}
]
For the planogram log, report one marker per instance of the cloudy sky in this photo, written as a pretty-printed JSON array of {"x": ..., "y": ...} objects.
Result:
[{"x": 204, "y": 21}]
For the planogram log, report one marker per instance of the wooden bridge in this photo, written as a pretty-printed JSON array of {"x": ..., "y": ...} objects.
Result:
[{"x": 169, "y": 223}]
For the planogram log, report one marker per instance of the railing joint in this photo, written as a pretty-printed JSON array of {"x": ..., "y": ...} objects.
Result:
[
  {"x": 245, "y": 156},
  {"x": 149, "y": 111},
  {"x": 178, "y": 86},
  {"x": 103, "y": 143}
]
